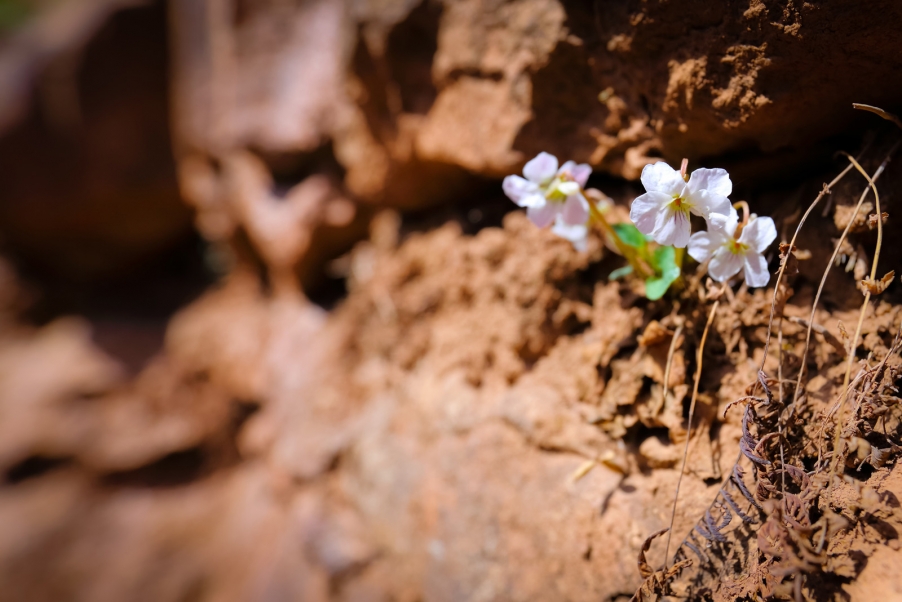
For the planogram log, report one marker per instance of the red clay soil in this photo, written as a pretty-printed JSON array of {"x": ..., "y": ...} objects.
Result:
[{"x": 483, "y": 415}]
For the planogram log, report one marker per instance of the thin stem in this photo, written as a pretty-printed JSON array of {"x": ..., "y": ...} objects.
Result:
[
  {"x": 745, "y": 211},
  {"x": 830, "y": 263},
  {"x": 628, "y": 252},
  {"x": 698, "y": 373},
  {"x": 773, "y": 305},
  {"x": 864, "y": 306},
  {"x": 673, "y": 343},
  {"x": 878, "y": 111}
]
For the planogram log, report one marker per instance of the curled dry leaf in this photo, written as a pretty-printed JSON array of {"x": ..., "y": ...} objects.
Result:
[
  {"x": 655, "y": 581},
  {"x": 872, "y": 219},
  {"x": 842, "y": 331},
  {"x": 843, "y": 214},
  {"x": 644, "y": 569},
  {"x": 788, "y": 257},
  {"x": 875, "y": 287}
]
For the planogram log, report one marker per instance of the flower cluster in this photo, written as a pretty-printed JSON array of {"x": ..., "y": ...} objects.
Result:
[
  {"x": 553, "y": 195},
  {"x": 663, "y": 213},
  {"x": 556, "y": 195}
]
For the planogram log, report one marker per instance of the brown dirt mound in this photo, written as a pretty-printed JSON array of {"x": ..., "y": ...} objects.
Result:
[{"x": 484, "y": 416}]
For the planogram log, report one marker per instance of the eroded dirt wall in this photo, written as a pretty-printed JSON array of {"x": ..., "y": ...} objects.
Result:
[{"x": 355, "y": 378}]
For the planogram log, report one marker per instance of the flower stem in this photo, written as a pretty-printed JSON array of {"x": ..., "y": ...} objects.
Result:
[{"x": 597, "y": 217}]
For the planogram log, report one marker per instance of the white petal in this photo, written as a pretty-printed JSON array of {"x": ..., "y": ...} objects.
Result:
[
  {"x": 575, "y": 234},
  {"x": 576, "y": 210},
  {"x": 544, "y": 215},
  {"x": 723, "y": 220},
  {"x": 705, "y": 202},
  {"x": 722, "y": 227},
  {"x": 541, "y": 169},
  {"x": 672, "y": 228},
  {"x": 755, "y": 269},
  {"x": 645, "y": 209},
  {"x": 581, "y": 173},
  {"x": 724, "y": 264},
  {"x": 758, "y": 234},
  {"x": 533, "y": 200},
  {"x": 715, "y": 180},
  {"x": 660, "y": 177},
  {"x": 516, "y": 188},
  {"x": 700, "y": 246}
]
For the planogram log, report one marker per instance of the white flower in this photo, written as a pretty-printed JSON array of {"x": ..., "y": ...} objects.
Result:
[
  {"x": 576, "y": 234},
  {"x": 664, "y": 210},
  {"x": 729, "y": 254},
  {"x": 548, "y": 192}
]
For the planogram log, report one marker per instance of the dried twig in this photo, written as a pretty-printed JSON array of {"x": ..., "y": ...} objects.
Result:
[
  {"x": 864, "y": 307},
  {"x": 823, "y": 282},
  {"x": 698, "y": 373},
  {"x": 773, "y": 307},
  {"x": 878, "y": 111},
  {"x": 670, "y": 352}
]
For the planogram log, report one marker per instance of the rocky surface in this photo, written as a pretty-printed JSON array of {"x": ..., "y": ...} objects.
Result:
[{"x": 483, "y": 416}]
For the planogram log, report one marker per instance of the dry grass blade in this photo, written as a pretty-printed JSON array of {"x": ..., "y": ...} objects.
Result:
[
  {"x": 773, "y": 306},
  {"x": 644, "y": 569},
  {"x": 673, "y": 344},
  {"x": 864, "y": 307},
  {"x": 698, "y": 373},
  {"x": 878, "y": 111},
  {"x": 830, "y": 263}
]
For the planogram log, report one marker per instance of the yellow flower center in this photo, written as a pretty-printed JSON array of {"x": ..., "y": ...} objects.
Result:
[
  {"x": 679, "y": 203},
  {"x": 736, "y": 247},
  {"x": 560, "y": 188}
]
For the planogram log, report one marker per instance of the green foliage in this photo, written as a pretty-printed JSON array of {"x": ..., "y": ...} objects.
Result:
[
  {"x": 663, "y": 260},
  {"x": 630, "y": 235},
  {"x": 621, "y": 272},
  {"x": 666, "y": 272}
]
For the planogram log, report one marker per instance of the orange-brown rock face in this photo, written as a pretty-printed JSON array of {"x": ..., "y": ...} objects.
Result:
[{"x": 481, "y": 415}]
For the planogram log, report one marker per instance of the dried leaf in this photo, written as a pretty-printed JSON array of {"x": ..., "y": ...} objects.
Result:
[
  {"x": 842, "y": 330},
  {"x": 875, "y": 287},
  {"x": 654, "y": 333},
  {"x": 843, "y": 214},
  {"x": 788, "y": 257},
  {"x": 644, "y": 569},
  {"x": 583, "y": 470},
  {"x": 872, "y": 219}
]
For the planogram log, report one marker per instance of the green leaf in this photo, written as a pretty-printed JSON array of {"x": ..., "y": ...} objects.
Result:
[
  {"x": 663, "y": 259},
  {"x": 621, "y": 272},
  {"x": 656, "y": 287},
  {"x": 629, "y": 235},
  {"x": 668, "y": 271}
]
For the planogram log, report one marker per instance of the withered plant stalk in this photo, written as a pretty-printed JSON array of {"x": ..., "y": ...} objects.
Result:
[
  {"x": 698, "y": 373},
  {"x": 840, "y": 418},
  {"x": 773, "y": 307},
  {"x": 826, "y": 273}
]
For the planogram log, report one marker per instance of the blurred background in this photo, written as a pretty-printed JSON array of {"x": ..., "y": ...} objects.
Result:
[{"x": 266, "y": 329}]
